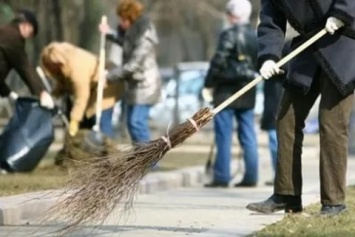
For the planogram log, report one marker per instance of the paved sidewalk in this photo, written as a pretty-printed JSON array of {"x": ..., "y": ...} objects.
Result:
[{"x": 196, "y": 211}]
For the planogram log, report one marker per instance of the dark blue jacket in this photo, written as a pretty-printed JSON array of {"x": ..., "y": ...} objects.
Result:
[
  {"x": 273, "y": 89},
  {"x": 335, "y": 54},
  {"x": 232, "y": 40}
]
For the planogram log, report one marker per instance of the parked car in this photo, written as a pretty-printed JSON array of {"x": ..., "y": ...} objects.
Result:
[{"x": 181, "y": 94}]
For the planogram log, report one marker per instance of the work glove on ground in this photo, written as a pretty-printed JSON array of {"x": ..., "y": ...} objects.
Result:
[
  {"x": 73, "y": 128},
  {"x": 270, "y": 69},
  {"x": 207, "y": 94},
  {"x": 333, "y": 24},
  {"x": 46, "y": 100}
]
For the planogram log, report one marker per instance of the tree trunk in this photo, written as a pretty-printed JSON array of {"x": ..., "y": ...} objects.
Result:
[{"x": 58, "y": 25}]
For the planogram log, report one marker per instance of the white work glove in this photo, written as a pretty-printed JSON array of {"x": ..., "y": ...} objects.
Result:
[
  {"x": 105, "y": 28},
  {"x": 13, "y": 96},
  {"x": 46, "y": 100},
  {"x": 207, "y": 95},
  {"x": 333, "y": 24},
  {"x": 270, "y": 69}
]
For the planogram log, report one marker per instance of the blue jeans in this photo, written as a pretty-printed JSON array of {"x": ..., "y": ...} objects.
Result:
[
  {"x": 223, "y": 125},
  {"x": 137, "y": 122},
  {"x": 105, "y": 122},
  {"x": 273, "y": 147}
]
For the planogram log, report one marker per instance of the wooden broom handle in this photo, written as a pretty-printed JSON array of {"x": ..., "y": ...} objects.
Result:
[
  {"x": 282, "y": 62},
  {"x": 101, "y": 79}
]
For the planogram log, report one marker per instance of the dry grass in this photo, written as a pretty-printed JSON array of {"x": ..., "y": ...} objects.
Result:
[
  {"x": 45, "y": 177},
  {"x": 48, "y": 176},
  {"x": 311, "y": 224}
]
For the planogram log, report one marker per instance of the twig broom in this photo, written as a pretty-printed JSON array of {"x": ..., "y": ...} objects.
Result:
[{"x": 103, "y": 185}]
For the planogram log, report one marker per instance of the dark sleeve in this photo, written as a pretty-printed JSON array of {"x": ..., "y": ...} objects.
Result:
[
  {"x": 26, "y": 71},
  {"x": 344, "y": 10},
  {"x": 285, "y": 51},
  {"x": 4, "y": 89},
  {"x": 253, "y": 49},
  {"x": 116, "y": 36},
  {"x": 271, "y": 32},
  {"x": 219, "y": 60}
]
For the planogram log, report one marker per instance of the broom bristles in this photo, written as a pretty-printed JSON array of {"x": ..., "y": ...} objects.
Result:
[{"x": 101, "y": 185}]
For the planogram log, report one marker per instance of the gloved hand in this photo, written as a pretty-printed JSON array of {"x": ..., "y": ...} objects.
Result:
[
  {"x": 115, "y": 74},
  {"x": 13, "y": 96},
  {"x": 73, "y": 128},
  {"x": 270, "y": 69},
  {"x": 46, "y": 100},
  {"x": 333, "y": 24},
  {"x": 104, "y": 28},
  {"x": 207, "y": 94}
]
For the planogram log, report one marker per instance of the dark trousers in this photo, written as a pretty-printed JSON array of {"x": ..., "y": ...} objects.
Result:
[{"x": 334, "y": 116}]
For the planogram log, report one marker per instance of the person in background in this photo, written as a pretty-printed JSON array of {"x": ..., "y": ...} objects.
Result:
[
  {"x": 272, "y": 95},
  {"x": 75, "y": 72},
  {"x": 232, "y": 67},
  {"x": 139, "y": 70},
  {"x": 13, "y": 56}
]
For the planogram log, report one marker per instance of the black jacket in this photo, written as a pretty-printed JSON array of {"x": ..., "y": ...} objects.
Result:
[
  {"x": 231, "y": 41},
  {"x": 331, "y": 53},
  {"x": 273, "y": 89},
  {"x": 13, "y": 56}
]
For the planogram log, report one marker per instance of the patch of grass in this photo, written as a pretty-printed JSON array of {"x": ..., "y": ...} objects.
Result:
[
  {"x": 181, "y": 160},
  {"x": 48, "y": 176},
  {"x": 43, "y": 178},
  {"x": 311, "y": 224}
]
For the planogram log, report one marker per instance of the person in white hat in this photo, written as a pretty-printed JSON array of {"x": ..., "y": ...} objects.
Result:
[{"x": 231, "y": 68}]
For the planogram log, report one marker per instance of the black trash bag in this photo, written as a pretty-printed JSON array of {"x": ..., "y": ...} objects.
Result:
[{"x": 27, "y": 137}]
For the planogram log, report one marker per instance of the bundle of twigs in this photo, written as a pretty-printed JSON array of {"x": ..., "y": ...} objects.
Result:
[{"x": 102, "y": 185}]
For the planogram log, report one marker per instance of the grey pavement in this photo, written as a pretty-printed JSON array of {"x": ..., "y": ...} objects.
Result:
[{"x": 191, "y": 211}]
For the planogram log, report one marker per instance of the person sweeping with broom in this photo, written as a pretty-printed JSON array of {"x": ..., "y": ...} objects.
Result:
[
  {"x": 137, "y": 36},
  {"x": 326, "y": 69},
  {"x": 75, "y": 72},
  {"x": 108, "y": 184}
]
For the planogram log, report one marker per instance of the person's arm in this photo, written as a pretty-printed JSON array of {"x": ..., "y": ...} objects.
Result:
[
  {"x": 26, "y": 71},
  {"x": 219, "y": 60},
  {"x": 4, "y": 89},
  {"x": 81, "y": 93},
  {"x": 271, "y": 32},
  {"x": 143, "y": 47},
  {"x": 116, "y": 36},
  {"x": 344, "y": 10}
]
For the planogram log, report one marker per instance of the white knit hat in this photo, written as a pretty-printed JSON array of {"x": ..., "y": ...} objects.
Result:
[{"x": 240, "y": 8}]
